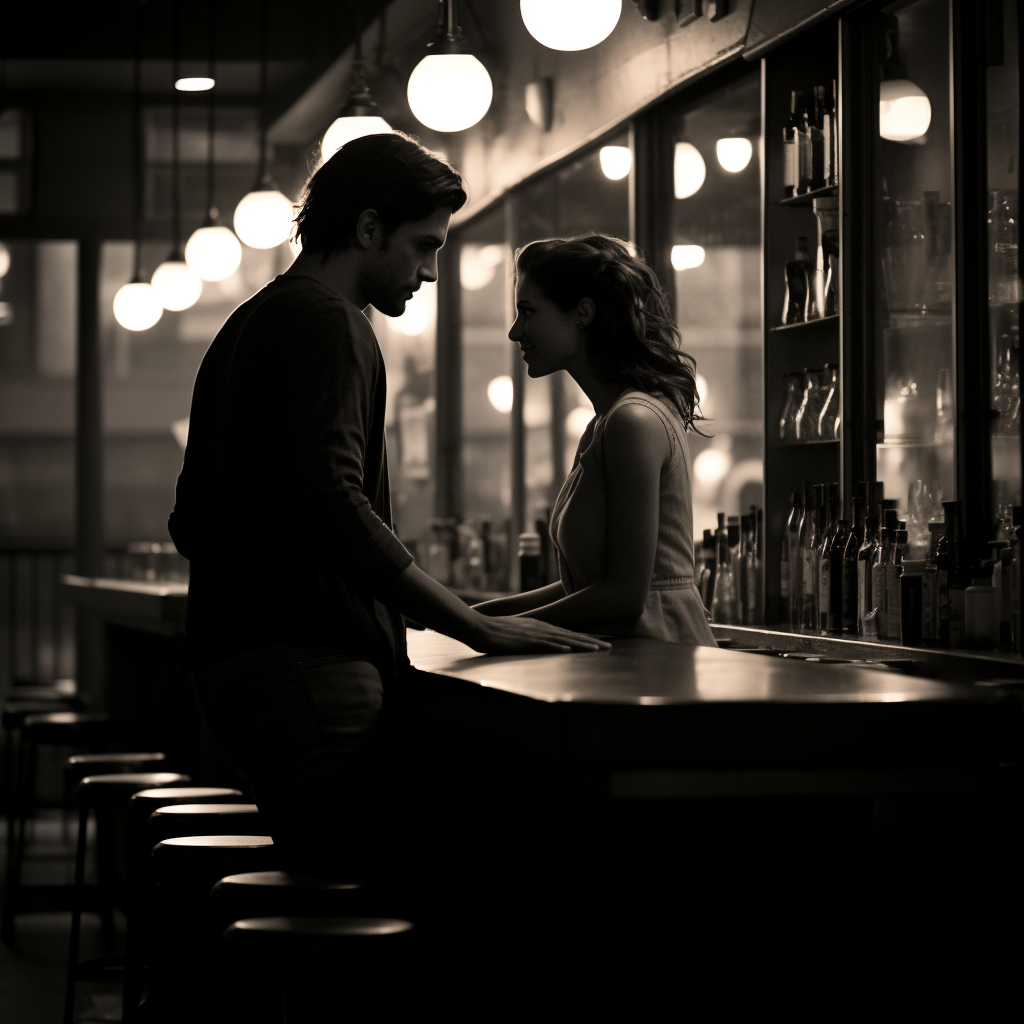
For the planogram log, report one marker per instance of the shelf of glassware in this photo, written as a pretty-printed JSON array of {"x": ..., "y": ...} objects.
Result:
[
  {"x": 821, "y": 321},
  {"x": 807, "y": 198}
]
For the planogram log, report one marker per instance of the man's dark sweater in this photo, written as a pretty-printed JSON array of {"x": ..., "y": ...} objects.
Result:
[{"x": 282, "y": 506}]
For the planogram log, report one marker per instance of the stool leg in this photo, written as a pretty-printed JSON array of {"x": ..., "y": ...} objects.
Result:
[
  {"x": 106, "y": 870},
  {"x": 135, "y": 937},
  {"x": 76, "y": 915},
  {"x": 13, "y": 786},
  {"x": 26, "y": 806}
]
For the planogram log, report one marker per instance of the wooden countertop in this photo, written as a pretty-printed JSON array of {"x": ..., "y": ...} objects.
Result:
[
  {"x": 649, "y": 672},
  {"x": 155, "y": 607},
  {"x": 647, "y": 704}
]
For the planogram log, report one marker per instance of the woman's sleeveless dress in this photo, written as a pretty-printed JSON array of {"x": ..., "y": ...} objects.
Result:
[{"x": 674, "y": 610}]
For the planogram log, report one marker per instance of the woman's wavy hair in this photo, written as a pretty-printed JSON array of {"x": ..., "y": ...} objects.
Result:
[{"x": 632, "y": 337}]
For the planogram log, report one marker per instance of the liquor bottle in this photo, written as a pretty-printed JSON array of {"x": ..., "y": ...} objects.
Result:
[
  {"x": 799, "y": 271},
  {"x": 724, "y": 597},
  {"x": 893, "y": 574},
  {"x": 820, "y": 533},
  {"x": 707, "y": 556},
  {"x": 790, "y": 153},
  {"x": 864, "y": 553},
  {"x": 798, "y": 559},
  {"x": 850, "y": 572},
  {"x": 1006, "y": 600},
  {"x": 742, "y": 566},
  {"x": 808, "y": 543},
  {"x": 736, "y": 611},
  {"x": 753, "y": 568},
  {"x": 804, "y": 146},
  {"x": 720, "y": 539},
  {"x": 830, "y": 171},
  {"x": 956, "y": 576},
  {"x": 912, "y": 603},
  {"x": 981, "y": 609},
  {"x": 817, "y": 139},
  {"x": 825, "y": 564},
  {"x": 880, "y": 560},
  {"x": 759, "y": 616},
  {"x": 1015, "y": 574},
  {"x": 788, "y": 575},
  {"x": 837, "y": 576}
]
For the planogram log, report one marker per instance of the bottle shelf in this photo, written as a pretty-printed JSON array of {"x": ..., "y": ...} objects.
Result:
[
  {"x": 834, "y": 319},
  {"x": 808, "y": 444},
  {"x": 923, "y": 445},
  {"x": 806, "y": 198}
]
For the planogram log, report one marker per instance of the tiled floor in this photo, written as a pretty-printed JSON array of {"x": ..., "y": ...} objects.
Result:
[{"x": 32, "y": 974}]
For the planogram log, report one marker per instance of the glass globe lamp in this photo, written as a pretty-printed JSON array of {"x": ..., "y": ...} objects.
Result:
[
  {"x": 904, "y": 111},
  {"x": 213, "y": 252},
  {"x": 263, "y": 218},
  {"x": 5, "y": 259},
  {"x": 570, "y": 24},
  {"x": 688, "y": 171},
  {"x": 734, "y": 154},
  {"x": 137, "y": 306},
  {"x": 345, "y": 129},
  {"x": 616, "y": 161},
  {"x": 450, "y": 92},
  {"x": 176, "y": 286}
]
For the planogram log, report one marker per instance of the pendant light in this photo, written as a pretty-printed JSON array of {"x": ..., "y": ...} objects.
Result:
[
  {"x": 263, "y": 218},
  {"x": 904, "y": 110},
  {"x": 688, "y": 170},
  {"x": 734, "y": 153},
  {"x": 136, "y": 305},
  {"x": 449, "y": 90},
  {"x": 616, "y": 161},
  {"x": 213, "y": 252},
  {"x": 570, "y": 24},
  {"x": 176, "y": 286},
  {"x": 358, "y": 117}
]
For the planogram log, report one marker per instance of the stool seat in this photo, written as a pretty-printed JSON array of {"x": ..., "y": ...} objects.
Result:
[
  {"x": 198, "y": 845},
  {"x": 283, "y": 894},
  {"x": 196, "y": 819},
  {"x": 118, "y": 788},
  {"x": 58, "y": 727},
  {"x": 16, "y": 711},
  {"x": 78, "y": 766},
  {"x": 339, "y": 928},
  {"x": 145, "y": 802}
]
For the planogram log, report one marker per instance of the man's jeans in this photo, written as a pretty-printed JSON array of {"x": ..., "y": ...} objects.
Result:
[{"x": 302, "y": 726}]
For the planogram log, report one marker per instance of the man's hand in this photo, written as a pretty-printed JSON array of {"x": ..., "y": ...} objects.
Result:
[{"x": 506, "y": 634}]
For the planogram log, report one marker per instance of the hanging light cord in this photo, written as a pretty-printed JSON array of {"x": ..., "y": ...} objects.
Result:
[
  {"x": 211, "y": 210},
  {"x": 175, "y": 155},
  {"x": 261, "y": 172},
  {"x": 137, "y": 159}
]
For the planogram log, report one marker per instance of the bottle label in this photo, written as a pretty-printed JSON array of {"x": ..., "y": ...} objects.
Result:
[
  {"x": 850, "y": 602},
  {"x": 878, "y": 599},
  {"x": 942, "y": 604},
  {"x": 824, "y": 592},
  {"x": 863, "y": 591},
  {"x": 929, "y": 607},
  {"x": 808, "y": 573},
  {"x": 892, "y": 601},
  {"x": 784, "y": 579},
  {"x": 956, "y": 616},
  {"x": 790, "y": 167}
]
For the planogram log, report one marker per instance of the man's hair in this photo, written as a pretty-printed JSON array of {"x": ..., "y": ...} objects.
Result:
[{"x": 392, "y": 174}]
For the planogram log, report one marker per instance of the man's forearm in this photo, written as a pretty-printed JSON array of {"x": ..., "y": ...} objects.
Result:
[{"x": 422, "y": 598}]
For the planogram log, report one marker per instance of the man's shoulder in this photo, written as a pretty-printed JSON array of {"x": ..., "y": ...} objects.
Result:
[{"x": 307, "y": 304}]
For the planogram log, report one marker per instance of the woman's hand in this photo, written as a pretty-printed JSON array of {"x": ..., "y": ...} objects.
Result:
[{"x": 513, "y": 635}]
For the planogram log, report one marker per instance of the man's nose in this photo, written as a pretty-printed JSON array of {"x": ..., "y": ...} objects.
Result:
[{"x": 428, "y": 271}]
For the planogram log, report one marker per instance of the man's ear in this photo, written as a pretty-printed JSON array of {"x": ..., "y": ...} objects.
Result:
[
  {"x": 368, "y": 228},
  {"x": 584, "y": 313}
]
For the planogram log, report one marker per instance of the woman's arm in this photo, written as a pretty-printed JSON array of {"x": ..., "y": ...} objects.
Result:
[
  {"x": 515, "y": 604},
  {"x": 636, "y": 447}
]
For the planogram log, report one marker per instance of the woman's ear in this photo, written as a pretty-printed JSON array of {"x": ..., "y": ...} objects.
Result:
[{"x": 584, "y": 313}]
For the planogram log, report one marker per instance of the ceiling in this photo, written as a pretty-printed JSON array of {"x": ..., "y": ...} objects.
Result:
[{"x": 90, "y": 47}]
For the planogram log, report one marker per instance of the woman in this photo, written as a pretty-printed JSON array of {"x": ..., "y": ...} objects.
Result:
[{"x": 623, "y": 522}]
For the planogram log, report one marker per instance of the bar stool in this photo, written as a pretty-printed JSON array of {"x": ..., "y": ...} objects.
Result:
[
  {"x": 283, "y": 894},
  {"x": 99, "y": 793},
  {"x": 184, "y": 869},
  {"x": 140, "y": 808},
  {"x": 322, "y": 965},
  {"x": 204, "y": 819},
  {"x": 63, "y": 728}
]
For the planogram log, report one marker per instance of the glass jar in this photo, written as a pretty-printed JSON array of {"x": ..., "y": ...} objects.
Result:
[
  {"x": 810, "y": 407},
  {"x": 828, "y": 418}
]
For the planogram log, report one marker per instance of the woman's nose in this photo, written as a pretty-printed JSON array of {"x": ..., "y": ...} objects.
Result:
[{"x": 514, "y": 333}]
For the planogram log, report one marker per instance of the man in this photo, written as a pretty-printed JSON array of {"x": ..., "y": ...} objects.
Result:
[{"x": 298, "y": 583}]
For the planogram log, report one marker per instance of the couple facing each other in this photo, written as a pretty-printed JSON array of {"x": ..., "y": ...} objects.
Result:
[{"x": 298, "y": 583}]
